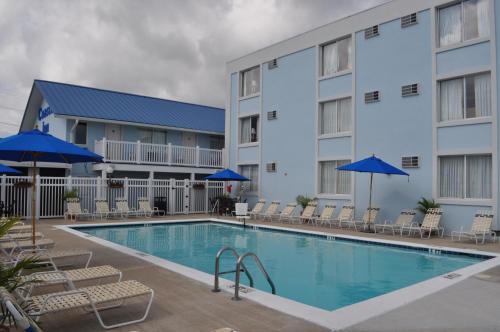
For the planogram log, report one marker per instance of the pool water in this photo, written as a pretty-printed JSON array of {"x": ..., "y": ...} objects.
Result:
[{"x": 324, "y": 273}]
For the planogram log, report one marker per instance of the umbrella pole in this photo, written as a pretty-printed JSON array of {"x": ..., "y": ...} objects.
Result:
[
  {"x": 33, "y": 202},
  {"x": 370, "y": 203}
]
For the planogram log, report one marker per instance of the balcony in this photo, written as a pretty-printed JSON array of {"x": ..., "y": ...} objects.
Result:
[{"x": 158, "y": 154}]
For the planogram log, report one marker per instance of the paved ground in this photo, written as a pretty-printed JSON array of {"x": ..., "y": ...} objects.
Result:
[{"x": 182, "y": 304}]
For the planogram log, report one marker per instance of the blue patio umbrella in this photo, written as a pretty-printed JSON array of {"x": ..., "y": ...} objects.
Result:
[
  {"x": 226, "y": 175},
  {"x": 8, "y": 170},
  {"x": 35, "y": 146},
  {"x": 372, "y": 165}
]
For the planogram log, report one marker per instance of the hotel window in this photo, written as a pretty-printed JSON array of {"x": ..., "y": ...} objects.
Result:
[
  {"x": 251, "y": 172},
  {"x": 466, "y": 176},
  {"x": 336, "y": 57},
  {"x": 463, "y": 21},
  {"x": 335, "y": 116},
  {"x": 248, "y": 129},
  {"x": 81, "y": 133},
  {"x": 153, "y": 136},
  {"x": 216, "y": 142},
  {"x": 332, "y": 181},
  {"x": 465, "y": 97},
  {"x": 250, "y": 82}
]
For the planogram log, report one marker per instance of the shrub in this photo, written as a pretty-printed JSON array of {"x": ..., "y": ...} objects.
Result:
[{"x": 424, "y": 204}]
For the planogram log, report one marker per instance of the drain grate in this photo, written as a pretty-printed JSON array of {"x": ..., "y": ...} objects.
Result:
[{"x": 452, "y": 275}]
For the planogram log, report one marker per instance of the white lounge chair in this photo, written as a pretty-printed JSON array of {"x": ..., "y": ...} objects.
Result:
[
  {"x": 10, "y": 247},
  {"x": 369, "y": 217},
  {"x": 326, "y": 216},
  {"x": 146, "y": 210},
  {"x": 405, "y": 219},
  {"x": 20, "y": 236},
  {"x": 123, "y": 209},
  {"x": 345, "y": 216},
  {"x": 74, "y": 210},
  {"x": 241, "y": 212},
  {"x": 93, "y": 299},
  {"x": 480, "y": 228},
  {"x": 102, "y": 209},
  {"x": 67, "y": 277},
  {"x": 56, "y": 258},
  {"x": 271, "y": 211},
  {"x": 257, "y": 209},
  {"x": 286, "y": 213},
  {"x": 307, "y": 214},
  {"x": 430, "y": 224}
]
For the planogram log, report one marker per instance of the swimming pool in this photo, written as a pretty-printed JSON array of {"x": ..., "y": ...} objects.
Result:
[{"x": 320, "y": 271}]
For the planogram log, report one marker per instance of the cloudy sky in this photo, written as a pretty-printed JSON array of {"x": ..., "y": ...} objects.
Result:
[{"x": 173, "y": 49}]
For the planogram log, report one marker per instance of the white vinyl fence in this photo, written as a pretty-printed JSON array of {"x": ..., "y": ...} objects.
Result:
[{"x": 179, "y": 196}]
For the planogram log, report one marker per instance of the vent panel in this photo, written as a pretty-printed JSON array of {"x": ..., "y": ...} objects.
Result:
[
  {"x": 410, "y": 162},
  {"x": 272, "y": 115},
  {"x": 272, "y": 64},
  {"x": 409, "y": 20},
  {"x": 371, "y": 32},
  {"x": 372, "y": 97},
  {"x": 271, "y": 167},
  {"x": 410, "y": 90}
]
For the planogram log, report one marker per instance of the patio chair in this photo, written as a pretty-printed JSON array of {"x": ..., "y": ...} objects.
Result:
[
  {"x": 286, "y": 213},
  {"x": 326, "y": 216},
  {"x": 74, "y": 210},
  {"x": 102, "y": 210},
  {"x": 430, "y": 224},
  {"x": 20, "y": 236},
  {"x": 405, "y": 219},
  {"x": 123, "y": 209},
  {"x": 56, "y": 258},
  {"x": 22, "y": 320},
  {"x": 19, "y": 227},
  {"x": 257, "y": 209},
  {"x": 241, "y": 212},
  {"x": 93, "y": 299},
  {"x": 146, "y": 210},
  {"x": 271, "y": 210},
  {"x": 369, "y": 217},
  {"x": 308, "y": 213},
  {"x": 66, "y": 277},
  {"x": 480, "y": 228},
  {"x": 9, "y": 247},
  {"x": 345, "y": 216}
]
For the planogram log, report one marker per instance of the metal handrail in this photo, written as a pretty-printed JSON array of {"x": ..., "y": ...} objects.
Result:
[
  {"x": 239, "y": 264},
  {"x": 238, "y": 270}
]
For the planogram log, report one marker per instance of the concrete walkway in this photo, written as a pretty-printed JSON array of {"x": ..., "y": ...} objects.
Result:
[{"x": 182, "y": 304}]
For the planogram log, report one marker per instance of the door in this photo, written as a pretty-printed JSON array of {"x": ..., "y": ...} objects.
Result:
[
  {"x": 113, "y": 132},
  {"x": 188, "y": 139}
]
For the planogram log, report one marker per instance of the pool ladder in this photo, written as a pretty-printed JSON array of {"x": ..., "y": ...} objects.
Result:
[{"x": 240, "y": 267}]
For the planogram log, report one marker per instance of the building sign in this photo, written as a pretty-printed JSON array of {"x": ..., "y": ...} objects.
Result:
[
  {"x": 45, "y": 128},
  {"x": 44, "y": 112}
]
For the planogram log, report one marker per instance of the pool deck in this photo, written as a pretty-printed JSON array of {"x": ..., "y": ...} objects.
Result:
[{"x": 182, "y": 304}]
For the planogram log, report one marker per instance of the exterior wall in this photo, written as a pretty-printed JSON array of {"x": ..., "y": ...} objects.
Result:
[{"x": 392, "y": 128}]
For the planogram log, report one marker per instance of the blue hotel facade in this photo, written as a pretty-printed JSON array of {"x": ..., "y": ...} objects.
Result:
[
  {"x": 138, "y": 136},
  {"x": 413, "y": 82}
]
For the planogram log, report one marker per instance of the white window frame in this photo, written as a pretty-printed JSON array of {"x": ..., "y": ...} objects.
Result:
[
  {"x": 464, "y": 200},
  {"x": 337, "y": 133},
  {"x": 241, "y": 91},
  {"x": 462, "y": 41},
  {"x": 321, "y": 68},
  {"x": 256, "y": 190},
  {"x": 464, "y": 119},
  {"x": 240, "y": 119},
  {"x": 319, "y": 194}
]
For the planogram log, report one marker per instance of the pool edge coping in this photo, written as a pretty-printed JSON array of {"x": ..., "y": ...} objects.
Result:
[{"x": 335, "y": 320}]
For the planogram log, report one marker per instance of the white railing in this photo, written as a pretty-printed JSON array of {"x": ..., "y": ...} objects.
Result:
[
  {"x": 180, "y": 196},
  {"x": 158, "y": 154}
]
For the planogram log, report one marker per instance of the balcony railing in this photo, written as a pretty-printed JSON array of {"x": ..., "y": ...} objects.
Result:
[{"x": 158, "y": 154}]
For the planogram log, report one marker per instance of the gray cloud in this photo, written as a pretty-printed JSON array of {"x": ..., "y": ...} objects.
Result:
[{"x": 172, "y": 49}]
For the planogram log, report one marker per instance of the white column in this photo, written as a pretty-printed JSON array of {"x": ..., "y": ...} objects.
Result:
[
  {"x": 197, "y": 157},
  {"x": 69, "y": 183},
  {"x": 206, "y": 196},
  {"x": 169, "y": 154},
  {"x": 104, "y": 149},
  {"x": 150, "y": 187},
  {"x": 125, "y": 188},
  {"x": 99, "y": 189},
  {"x": 138, "y": 152},
  {"x": 224, "y": 162}
]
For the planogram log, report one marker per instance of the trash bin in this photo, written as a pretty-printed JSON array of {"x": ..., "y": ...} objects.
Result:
[{"x": 160, "y": 202}]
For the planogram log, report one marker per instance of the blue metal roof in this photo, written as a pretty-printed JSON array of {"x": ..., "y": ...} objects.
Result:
[{"x": 85, "y": 102}]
